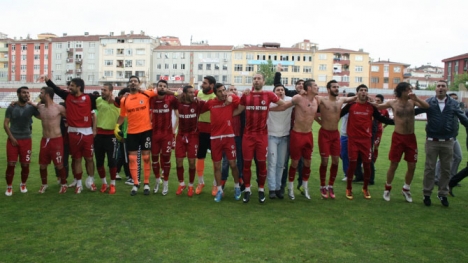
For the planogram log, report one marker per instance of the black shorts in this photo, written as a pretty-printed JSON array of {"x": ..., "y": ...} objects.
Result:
[
  {"x": 134, "y": 141},
  {"x": 204, "y": 143}
]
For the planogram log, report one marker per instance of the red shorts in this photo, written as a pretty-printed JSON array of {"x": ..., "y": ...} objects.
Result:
[
  {"x": 23, "y": 150},
  {"x": 51, "y": 150},
  {"x": 378, "y": 138},
  {"x": 255, "y": 143},
  {"x": 361, "y": 147},
  {"x": 186, "y": 145},
  {"x": 301, "y": 144},
  {"x": 220, "y": 145},
  {"x": 329, "y": 143},
  {"x": 403, "y": 143},
  {"x": 81, "y": 145},
  {"x": 161, "y": 144}
]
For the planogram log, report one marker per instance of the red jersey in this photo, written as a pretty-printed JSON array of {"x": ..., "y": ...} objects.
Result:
[
  {"x": 360, "y": 119},
  {"x": 161, "y": 112},
  {"x": 79, "y": 111},
  {"x": 257, "y": 105},
  {"x": 221, "y": 116},
  {"x": 188, "y": 116}
]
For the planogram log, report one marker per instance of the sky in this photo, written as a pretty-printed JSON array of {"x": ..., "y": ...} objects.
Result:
[{"x": 415, "y": 32}]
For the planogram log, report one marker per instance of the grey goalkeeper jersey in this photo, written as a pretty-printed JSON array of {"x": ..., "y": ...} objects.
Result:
[{"x": 21, "y": 120}]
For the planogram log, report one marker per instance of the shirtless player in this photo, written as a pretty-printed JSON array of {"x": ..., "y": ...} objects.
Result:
[{"x": 403, "y": 138}]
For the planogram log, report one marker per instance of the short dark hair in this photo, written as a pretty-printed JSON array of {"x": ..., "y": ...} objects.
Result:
[
  {"x": 68, "y": 83},
  {"x": 351, "y": 94},
  {"x": 402, "y": 86},
  {"x": 109, "y": 85},
  {"x": 123, "y": 91},
  {"x": 217, "y": 86},
  {"x": 210, "y": 79},
  {"x": 380, "y": 96},
  {"x": 78, "y": 82},
  {"x": 278, "y": 85},
  {"x": 299, "y": 80},
  {"x": 161, "y": 80},
  {"x": 260, "y": 73},
  {"x": 49, "y": 91},
  {"x": 18, "y": 91},
  {"x": 453, "y": 94},
  {"x": 308, "y": 83},
  {"x": 329, "y": 84},
  {"x": 361, "y": 86},
  {"x": 133, "y": 76},
  {"x": 185, "y": 88}
]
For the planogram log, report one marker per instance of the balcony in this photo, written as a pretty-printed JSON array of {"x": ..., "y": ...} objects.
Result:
[
  {"x": 79, "y": 61},
  {"x": 341, "y": 73},
  {"x": 78, "y": 71},
  {"x": 343, "y": 83},
  {"x": 70, "y": 50},
  {"x": 69, "y": 60},
  {"x": 3, "y": 59},
  {"x": 4, "y": 49},
  {"x": 69, "y": 71}
]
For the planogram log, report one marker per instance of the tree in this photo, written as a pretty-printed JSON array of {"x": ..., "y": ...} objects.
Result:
[
  {"x": 457, "y": 79},
  {"x": 268, "y": 71},
  {"x": 417, "y": 85}
]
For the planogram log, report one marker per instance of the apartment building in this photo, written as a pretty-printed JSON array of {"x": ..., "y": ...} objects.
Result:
[
  {"x": 76, "y": 57},
  {"x": 297, "y": 63},
  {"x": 124, "y": 55},
  {"x": 454, "y": 66},
  {"x": 189, "y": 64},
  {"x": 349, "y": 68},
  {"x": 28, "y": 59},
  {"x": 424, "y": 76},
  {"x": 386, "y": 74},
  {"x": 4, "y": 57}
]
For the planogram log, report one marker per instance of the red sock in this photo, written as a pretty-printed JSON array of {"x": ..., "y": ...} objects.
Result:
[
  {"x": 350, "y": 174},
  {"x": 166, "y": 161},
  {"x": 180, "y": 174},
  {"x": 113, "y": 172},
  {"x": 305, "y": 173},
  {"x": 24, "y": 173},
  {"x": 102, "y": 172},
  {"x": 388, "y": 187},
  {"x": 247, "y": 172},
  {"x": 223, "y": 182},
  {"x": 292, "y": 173},
  {"x": 191, "y": 175},
  {"x": 323, "y": 175},
  {"x": 262, "y": 173},
  {"x": 43, "y": 173},
  {"x": 156, "y": 167},
  {"x": 367, "y": 174},
  {"x": 63, "y": 175},
  {"x": 9, "y": 174},
  {"x": 333, "y": 172},
  {"x": 78, "y": 176}
]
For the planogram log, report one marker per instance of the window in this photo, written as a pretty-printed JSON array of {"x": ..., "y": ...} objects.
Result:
[
  {"x": 337, "y": 78},
  {"x": 358, "y": 68},
  {"x": 284, "y": 57},
  {"x": 296, "y": 68},
  {"x": 200, "y": 78},
  {"x": 13, "y": 47},
  {"x": 46, "y": 57},
  {"x": 375, "y": 80},
  {"x": 142, "y": 51},
  {"x": 166, "y": 66},
  {"x": 108, "y": 62},
  {"x": 120, "y": 52},
  {"x": 90, "y": 66},
  {"x": 200, "y": 66},
  {"x": 120, "y": 63},
  {"x": 248, "y": 80},
  {"x": 36, "y": 57},
  {"x": 385, "y": 68},
  {"x": 90, "y": 77},
  {"x": 208, "y": 66},
  {"x": 224, "y": 78},
  {"x": 322, "y": 78},
  {"x": 24, "y": 47},
  {"x": 322, "y": 57},
  {"x": 200, "y": 55},
  {"x": 140, "y": 62},
  {"x": 358, "y": 79},
  {"x": 358, "y": 58},
  {"x": 91, "y": 44},
  {"x": 307, "y": 69},
  {"x": 46, "y": 47},
  {"x": 57, "y": 45},
  {"x": 78, "y": 44},
  {"x": 46, "y": 68},
  {"x": 385, "y": 80},
  {"x": 249, "y": 67},
  {"x": 37, "y": 47},
  {"x": 249, "y": 56},
  {"x": 208, "y": 55},
  {"x": 237, "y": 67},
  {"x": 128, "y": 52},
  {"x": 128, "y": 63},
  {"x": 58, "y": 66},
  {"x": 238, "y": 55},
  {"x": 238, "y": 79},
  {"x": 182, "y": 55},
  {"x": 128, "y": 74},
  {"x": 396, "y": 69},
  {"x": 216, "y": 66},
  {"x": 58, "y": 77},
  {"x": 396, "y": 80},
  {"x": 174, "y": 66},
  {"x": 23, "y": 57},
  {"x": 294, "y": 80},
  {"x": 182, "y": 66},
  {"x": 13, "y": 58},
  {"x": 23, "y": 67},
  {"x": 37, "y": 67},
  {"x": 345, "y": 78},
  {"x": 120, "y": 40},
  {"x": 108, "y": 51},
  {"x": 224, "y": 66},
  {"x": 323, "y": 67},
  {"x": 90, "y": 55},
  {"x": 120, "y": 74},
  {"x": 375, "y": 68},
  {"x": 140, "y": 73},
  {"x": 158, "y": 55},
  {"x": 108, "y": 73},
  {"x": 284, "y": 81}
]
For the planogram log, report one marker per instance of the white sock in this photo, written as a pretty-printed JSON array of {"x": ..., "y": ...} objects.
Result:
[
  {"x": 261, "y": 189},
  {"x": 78, "y": 183},
  {"x": 158, "y": 180},
  {"x": 201, "y": 180},
  {"x": 214, "y": 183},
  {"x": 104, "y": 181},
  {"x": 305, "y": 184},
  {"x": 220, "y": 188},
  {"x": 112, "y": 182},
  {"x": 291, "y": 185},
  {"x": 165, "y": 183},
  {"x": 182, "y": 183},
  {"x": 247, "y": 189},
  {"x": 406, "y": 187},
  {"x": 190, "y": 185}
]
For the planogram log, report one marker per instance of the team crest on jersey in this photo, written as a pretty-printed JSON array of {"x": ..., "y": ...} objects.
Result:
[
  {"x": 165, "y": 106},
  {"x": 263, "y": 102},
  {"x": 192, "y": 110},
  {"x": 169, "y": 143},
  {"x": 57, "y": 153},
  {"x": 148, "y": 139},
  {"x": 83, "y": 98},
  {"x": 232, "y": 146},
  {"x": 141, "y": 101},
  {"x": 196, "y": 146},
  {"x": 29, "y": 151}
]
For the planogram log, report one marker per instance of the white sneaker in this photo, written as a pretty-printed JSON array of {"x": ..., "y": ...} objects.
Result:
[
  {"x": 43, "y": 188},
  {"x": 23, "y": 188},
  {"x": 156, "y": 188},
  {"x": 9, "y": 191},
  {"x": 89, "y": 182},
  {"x": 291, "y": 194},
  {"x": 386, "y": 195},
  {"x": 165, "y": 189},
  {"x": 306, "y": 193},
  {"x": 344, "y": 179},
  {"x": 407, "y": 195},
  {"x": 78, "y": 190},
  {"x": 72, "y": 184}
]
